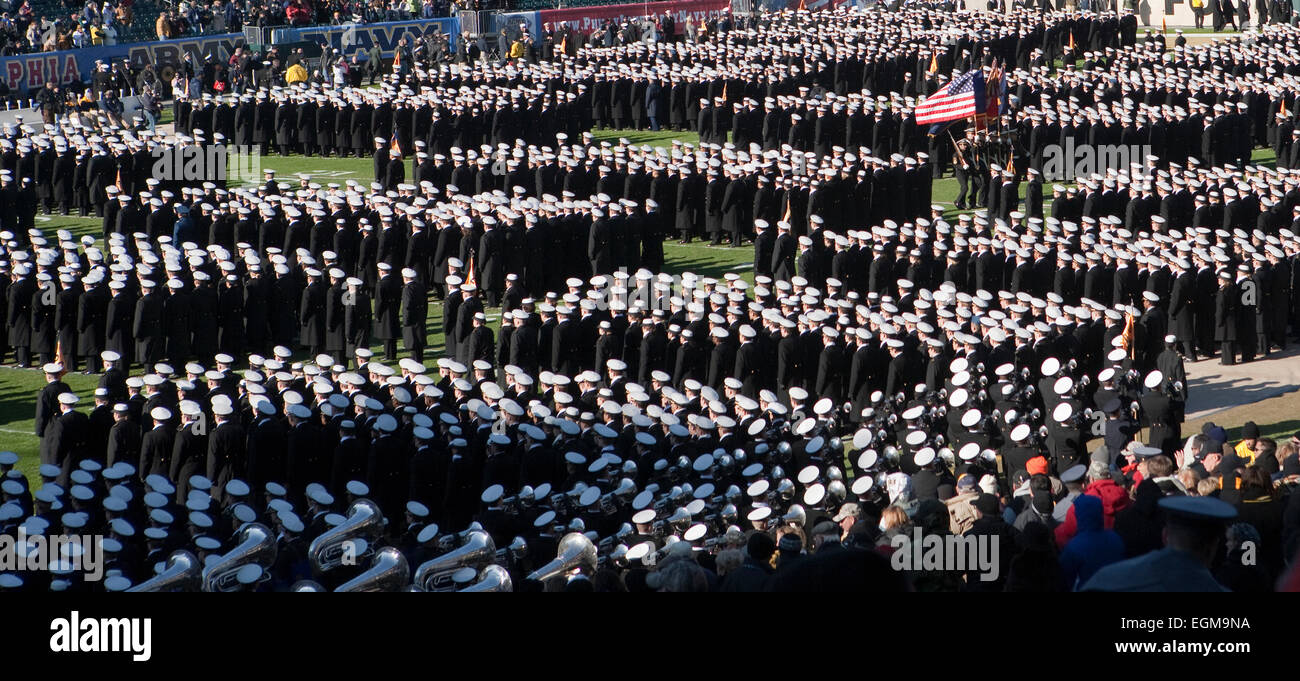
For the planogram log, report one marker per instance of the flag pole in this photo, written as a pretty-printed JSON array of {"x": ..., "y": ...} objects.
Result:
[
  {"x": 998, "y": 115},
  {"x": 955, "y": 147}
]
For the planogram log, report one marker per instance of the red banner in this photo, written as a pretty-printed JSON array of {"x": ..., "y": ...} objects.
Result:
[{"x": 588, "y": 19}]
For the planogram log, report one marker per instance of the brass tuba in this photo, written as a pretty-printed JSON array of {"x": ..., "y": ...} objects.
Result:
[
  {"x": 182, "y": 573},
  {"x": 365, "y": 522},
  {"x": 492, "y": 578},
  {"x": 256, "y": 547},
  {"x": 435, "y": 574},
  {"x": 574, "y": 549},
  {"x": 388, "y": 572}
]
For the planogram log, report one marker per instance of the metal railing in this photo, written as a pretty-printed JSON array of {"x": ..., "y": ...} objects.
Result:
[{"x": 15, "y": 102}]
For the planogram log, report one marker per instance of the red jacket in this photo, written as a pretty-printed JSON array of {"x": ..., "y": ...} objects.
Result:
[
  {"x": 298, "y": 13},
  {"x": 1113, "y": 500}
]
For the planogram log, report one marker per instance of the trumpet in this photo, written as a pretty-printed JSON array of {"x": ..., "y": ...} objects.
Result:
[
  {"x": 608, "y": 504},
  {"x": 492, "y": 578},
  {"x": 256, "y": 547},
  {"x": 512, "y": 554},
  {"x": 617, "y": 557},
  {"x": 365, "y": 524},
  {"x": 182, "y": 573},
  {"x": 436, "y": 574},
  {"x": 388, "y": 572},
  {"x": 510, "y": 505}
]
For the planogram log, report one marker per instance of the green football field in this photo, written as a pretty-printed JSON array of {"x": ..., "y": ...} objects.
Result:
[{"x": 18, "y": 387}]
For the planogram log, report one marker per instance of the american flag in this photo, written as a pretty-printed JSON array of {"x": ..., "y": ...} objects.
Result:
[{"x": 963, "y": 97}]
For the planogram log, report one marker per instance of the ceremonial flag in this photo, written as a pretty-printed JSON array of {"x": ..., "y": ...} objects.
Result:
[
  {"x": 1283, "y": 109},
  {"x": 59, "y": 356},
  {"x": 934, "y": 63},
  {"x": 995, "y": 91},
  {"x": 963, "y": 97},
  {"x": 1128, "y": 335},
  {"x": 395, "y": 149},
  {"x": 1164, "y": 28},
  {"x": 469, "y": 274},
  {"x": 939, "y": 127},
  {"x": 1071, "y": 43}
]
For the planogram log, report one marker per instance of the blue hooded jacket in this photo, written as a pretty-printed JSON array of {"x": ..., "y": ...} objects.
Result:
[
  {"x": 185, "y": 229},
  {"x": 1093, "y": 546}
]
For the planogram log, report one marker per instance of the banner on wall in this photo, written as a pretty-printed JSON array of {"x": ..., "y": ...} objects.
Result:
[
  {"x": 350, "y": 39},
  {"x": 172, "y": 52},
  {"x": 811, "y": 5},
  {"x": 587, "y": 19},
  {"x": 26, "y": 71}
]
